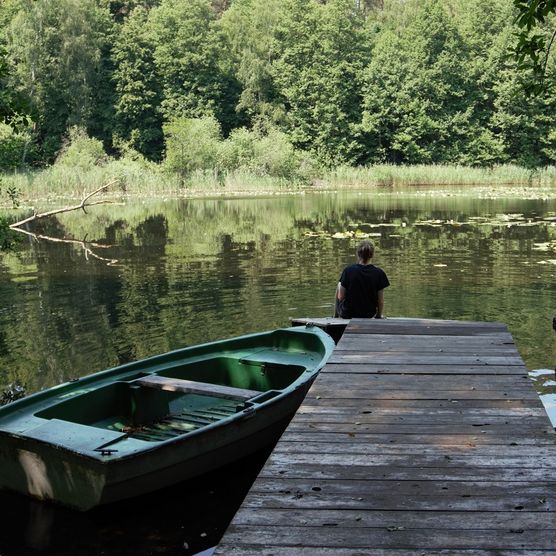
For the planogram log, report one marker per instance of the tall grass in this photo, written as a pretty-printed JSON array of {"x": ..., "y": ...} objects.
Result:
[
  {"x": 145, "y": 179},
  {"x": 392, "y": 175}
]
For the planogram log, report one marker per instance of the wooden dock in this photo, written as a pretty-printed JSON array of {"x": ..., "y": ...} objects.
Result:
[{"x": 419, "y": 437}]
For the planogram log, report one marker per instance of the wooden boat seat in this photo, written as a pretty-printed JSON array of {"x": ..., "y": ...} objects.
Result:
[{"x": 194, "y": 387}]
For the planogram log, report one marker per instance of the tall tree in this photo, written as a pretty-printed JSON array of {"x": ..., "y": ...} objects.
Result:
[
  {"x": 186, "y": 56},
  {"x": 416, "y": 107},
  {"x": 319, "y": 73},
  {"x": 138, "y": 119},
  {"x": 249, "y": 31},
  {"x": 60, "y": 50},
  {"x": 10, "y": 102}
]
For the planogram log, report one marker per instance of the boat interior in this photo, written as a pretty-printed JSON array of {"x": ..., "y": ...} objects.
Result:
[{"x": 179, "y": 398}]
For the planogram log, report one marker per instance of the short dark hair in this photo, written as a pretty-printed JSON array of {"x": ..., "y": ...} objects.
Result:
[{"x": 365, "y": 250}]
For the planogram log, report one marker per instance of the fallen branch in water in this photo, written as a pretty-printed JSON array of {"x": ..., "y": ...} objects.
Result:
[
  {"x": 82, "y": 205},
  {"x": 84, "y": 244},
  {"x": 87, "y": 246}
]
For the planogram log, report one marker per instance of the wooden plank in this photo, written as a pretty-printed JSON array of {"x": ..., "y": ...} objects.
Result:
[
  {"x": 355, "y": 446},
  {"x": 244, "y": 549},
  {"x": 351, "y": 340},
  {"x": 454, "y": 519},
  {"x": 444, "y": 429},
  {"x": 391, "y": 394},
  {"x": 424, "y": 420},
  {"x": 316, "y": 470},
  {"x": 418, "y": 437},
  {"x": 370, "y": 367},
  {"x": 412, "y": 461},
  {"x": 423, "y": 358},
  {"x": 328, "y": 406},
  {"x": 291, "y": 486},
  {"x": 329, "y": 535},
  {"x": 423, "y": 327},
  {"x": 461, "y": 440},
  {"x": 441, "y": 382},
  {"x": 409, "y": 503},
  {"x": 333, "y": 401},
  {"x": 194, "y": 387},
  {"x": 322, "y": 321}
]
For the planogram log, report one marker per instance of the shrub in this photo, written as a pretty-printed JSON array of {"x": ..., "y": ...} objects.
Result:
[
  {"x": 13, "y": 147},
  {"x": 191, "y": 144},
  {"x": 82, "y": 151}
]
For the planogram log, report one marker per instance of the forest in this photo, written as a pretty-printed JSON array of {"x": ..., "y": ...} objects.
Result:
[{"x": 273, "y": 87}]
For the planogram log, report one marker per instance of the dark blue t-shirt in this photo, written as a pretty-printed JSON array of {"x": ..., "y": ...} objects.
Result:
[{"x": 362, "y": 283}]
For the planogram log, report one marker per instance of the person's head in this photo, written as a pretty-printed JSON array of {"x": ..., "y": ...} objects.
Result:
[{"x": 365, "y": 251}]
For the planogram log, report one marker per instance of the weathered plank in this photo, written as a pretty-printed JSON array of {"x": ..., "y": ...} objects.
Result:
[
  {"x": 434, "y": 358},
  {"x": 419, "y": 437},
  {"x": 241, "y": 549},
  {"x": 370, "y": 367},
  {"x": 289, "y": 486},
  {"x": 195, "y": 387},
  {"x": 432, "y": 429},
  {"x": 427, "y": 538},
  {"x": 389, "y": 472},
  {"x": 355, "y": 341},
  {"x": 410, "y": 503},
  {"x": 530, "y": 440}
]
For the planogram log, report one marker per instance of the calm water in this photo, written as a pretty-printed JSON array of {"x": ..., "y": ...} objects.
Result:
[{"x": 164, "y": 275}]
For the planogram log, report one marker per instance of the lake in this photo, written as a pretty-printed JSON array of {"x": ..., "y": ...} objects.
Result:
[{"x": 159, "y": 275}]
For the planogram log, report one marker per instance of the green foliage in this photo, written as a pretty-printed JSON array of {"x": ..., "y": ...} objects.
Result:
[
  {"x": 319, "y": 75},
  {"x": 191, "y": 144},
  {"x": 185, "y": 55},
  {"x": 250, "y": 31},
  {"x": 416, "y": 93},
  {"x": 58, "y": 48},
  {"x": 81, "y": 151},
  {"x": 138, "y": 120},
  {"x": 534, "y": 41},
  {"x": 271, "y": 86},
  {"x": 270, "y": 154},
  {"x": 15, "y": 145},
  {"x": 8, "y": 237}
]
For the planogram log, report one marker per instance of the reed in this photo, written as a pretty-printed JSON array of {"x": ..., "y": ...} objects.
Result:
[
  {"x": 145, "y": 179},
  {"x": 420, "y": 175}
]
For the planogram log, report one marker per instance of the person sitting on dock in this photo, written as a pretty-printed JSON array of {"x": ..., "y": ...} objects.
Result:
[{"x": 360, "y": 291}]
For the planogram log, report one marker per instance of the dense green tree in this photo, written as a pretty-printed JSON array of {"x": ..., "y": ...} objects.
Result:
[
  {"x": 59, "y": 49},
  {"x": 121, "y": 9},
  {"x": 186, "y": 56},
  {"x": 350, "y": 81},
  {"x": 192, "y": 144},
  {"x": 138, "y": 119},
  {"x": 417, "y": 107},
  {"x": 324, "y": 48},
  {"x": 249, "y": 32},
  {"x": 11, "y": 104}
]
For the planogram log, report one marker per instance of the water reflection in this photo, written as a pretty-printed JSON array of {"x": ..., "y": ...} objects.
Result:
[
  {"x": 191, "y": 271},
  {"x": 197, "y": 270}
]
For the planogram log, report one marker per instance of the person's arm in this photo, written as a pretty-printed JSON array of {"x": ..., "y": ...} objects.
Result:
[
  {"x": 380, "y": 305},
  {"x": 340, "y": 292}
]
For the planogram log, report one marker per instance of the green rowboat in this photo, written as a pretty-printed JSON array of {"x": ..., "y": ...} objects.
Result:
[{"x": 151, "y": 423}]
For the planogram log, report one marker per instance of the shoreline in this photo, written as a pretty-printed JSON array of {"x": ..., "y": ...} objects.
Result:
[
  {"x": 56, "y": 184},
  {"x": 446, "y": 191}
]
